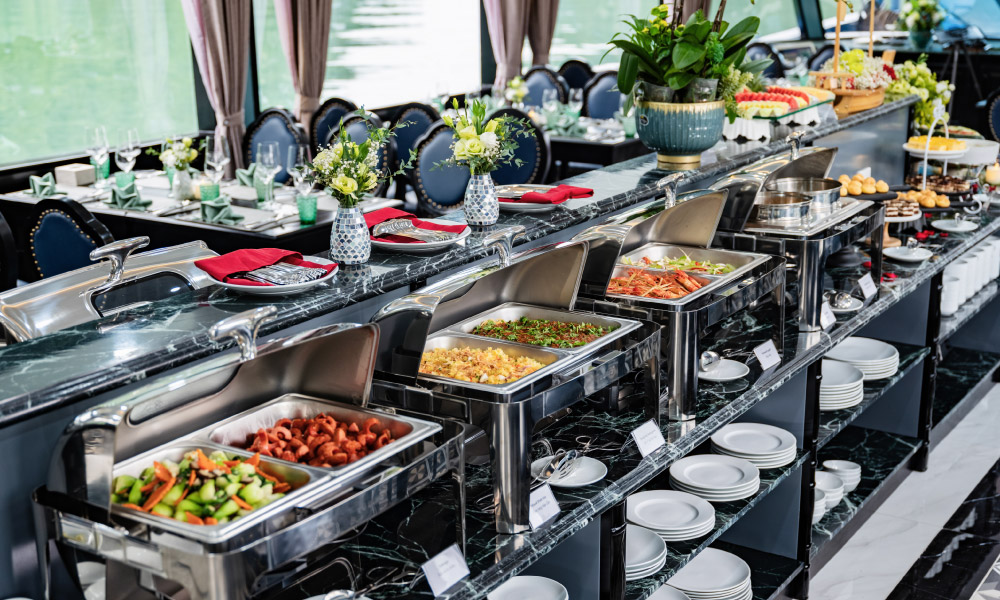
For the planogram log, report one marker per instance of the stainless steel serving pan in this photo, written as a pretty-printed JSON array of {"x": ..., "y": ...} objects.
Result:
[
  {"x": 781, "y": 207},
  {"x": 824, "y": 193},
  {"x": 547, "y": 356}
]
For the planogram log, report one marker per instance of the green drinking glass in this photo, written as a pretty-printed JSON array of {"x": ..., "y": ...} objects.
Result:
[
  {"x": 209, "y": 191},
  {"x": 307, "y": 209},
  {"x": 123, "y": 179}
]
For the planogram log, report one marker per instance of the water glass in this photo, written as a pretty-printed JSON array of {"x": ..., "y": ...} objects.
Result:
[
  {"x": 216, "y": 157},
  {"x": 550, "y": 100},
  {"x": 127, "y": 150},
  {"x": 96, "y": 143},
  {"x": 307, "y": 209},
  {"x": 124, "y": 178},
  {"x": 575, "y": 104},
  {"x": 297, "y": 165},
  {"x": 268, "y": 166}
]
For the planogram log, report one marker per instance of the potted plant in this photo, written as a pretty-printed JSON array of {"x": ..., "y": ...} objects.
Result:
[
  {"x": 482, "y": 145},
  {"x": 671, "y": 71},
  {"x": 349, "y": 171},
  {"x": 920, "y": 17}
]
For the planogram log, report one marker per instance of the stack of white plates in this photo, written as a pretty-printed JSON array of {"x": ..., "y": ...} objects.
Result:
[
  {"x": 665, "y": 592},
  {"x": 529, "y": 586},
  {"x": 876, "y": 359},
  {"x": 843, "y": 386},
  {"x": 819, "y": 505},
  {"x": 645, "y": 552},
  {"x": 714, "y": 575},
  {"x": 832, "y": 486},
  {"x": 849, "y": 472},
  {"x": 672, "y": 515},
  {"x": 766, "y": 446},
  {"x": 715, "y": 478}
]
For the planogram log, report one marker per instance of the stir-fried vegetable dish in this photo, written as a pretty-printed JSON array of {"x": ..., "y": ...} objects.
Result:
[
  {"x": 684, "y": 263},
  {"x": 542, "y": 332}
]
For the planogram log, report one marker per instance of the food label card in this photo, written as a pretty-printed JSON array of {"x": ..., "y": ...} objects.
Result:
[
  {"x": 544, "y": 506},
  {"x": 867, "y": 285},
  {"x": 445, "y": 570},
  {"x": 826, "y": 316},
  {"x": 767, "y": 355},
  {"x": 648, "y": 438}
]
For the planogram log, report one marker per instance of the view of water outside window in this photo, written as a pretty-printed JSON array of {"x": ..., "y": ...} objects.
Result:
[
  {"x": 68, "y": 65},
  {"x": 382, "y": 52},
  {"x": 583, "y": 29},
  {"x": 778, "y": 20}
]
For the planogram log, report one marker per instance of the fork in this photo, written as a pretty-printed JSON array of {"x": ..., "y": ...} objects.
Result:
[{"x": 406, "y": 228}]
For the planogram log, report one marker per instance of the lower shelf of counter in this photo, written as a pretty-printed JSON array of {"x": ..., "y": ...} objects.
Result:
[
  {"x": 884, "y": 459},
  {"x": 727, "y": 513},
  {"x": 963, "y": 379}
]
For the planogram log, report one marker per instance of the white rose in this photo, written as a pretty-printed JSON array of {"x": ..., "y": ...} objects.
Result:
[
  {"x": 489, "y": 139},
  {"x": 168, "y": 158},
  {"x": 178, "y": 147}
]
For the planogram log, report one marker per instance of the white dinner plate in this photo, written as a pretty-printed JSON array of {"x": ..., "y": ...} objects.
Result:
[
  {"x": 634, "y": 575},
  {"x": 953, "y": 226},
  {"x": 714, "y": 472},
  {"x": 712, "y": 570},
  {"x": 529, "y": 586},
  {"x": 757, "y": 460},
  {"x": 920, "y": 152},
  {"x": 861, "y": 350},
  {"x": 754, "y": 439},
  {"x": 643, "y": 548},
  {"x": 726, "y": 370},
  {"x": 665, "y": 511},
  {"x": 586, "y": 472},
  {"x": 914, "y": 255},
  {"x": 284, "y": 290},
  {"x": 527, "y": 207},
  {"x": 665, "y": 592},
  {"x": 425, "y": 247}
]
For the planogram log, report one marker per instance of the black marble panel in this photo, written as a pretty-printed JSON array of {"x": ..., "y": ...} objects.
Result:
[{"x": 960, "y": 371}]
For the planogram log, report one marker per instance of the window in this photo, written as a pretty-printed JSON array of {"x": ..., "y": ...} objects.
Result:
[
  {"x": 68, "y": 65},
  {"x": 778, "y": 20},
  {"x": 382, "y": 52},
  {"x": 584, "y": 27}
]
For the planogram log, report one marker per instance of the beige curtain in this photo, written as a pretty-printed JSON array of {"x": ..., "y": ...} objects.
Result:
[
  {"x": 507, "y": 22},
  {"x": 220, "y": 36},
  {"x": 691, "y": 6},
  {"x": 541, "y": 28},
  {"x": 304, "y": 28}
]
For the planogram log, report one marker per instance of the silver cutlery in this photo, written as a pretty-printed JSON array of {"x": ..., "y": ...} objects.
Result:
[
  {"x": 177, "y": 209},
  {"x": 282, "y": 274},
  {"x": 405, "y": 228},
  {"x": 518, "y": 190},
  {"x": 272, "y": 223}
]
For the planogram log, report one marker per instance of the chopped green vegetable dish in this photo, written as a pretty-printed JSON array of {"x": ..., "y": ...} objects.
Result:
[
  {"x": 542, "y": 332},
  {"x": 683, "y": 263}
]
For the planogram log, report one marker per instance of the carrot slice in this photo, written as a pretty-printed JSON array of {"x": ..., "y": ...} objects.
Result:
[
  {"x": 270, "y": 478},
  {"x": 211, "y": 521},
  {"x": 240, "y": 502},
  {"x": 204, "y": 462},
  {"x": 158, "y": 495},
  {"x": 162, "y": 473},
  {"x": 282, "y": 487},
  {"x": 183, "y": 496},
  {"x": 192, "y": 518},
  {"x": 231, "y": 463},
  {"x": 191, "y": 477},
  {"x": 132, "y": 506},
  {"x": 254, "y": 460},
  {"x": 148, "y": 487}
]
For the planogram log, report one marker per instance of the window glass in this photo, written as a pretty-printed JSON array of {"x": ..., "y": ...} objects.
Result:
[
  {"x": 778, "y": 20},
  {"x": 381, "y": 52},
  {"x": 68, "y": 65},
  {"x": 584, "y": 27},
  {"x": 885, "y": 10}
]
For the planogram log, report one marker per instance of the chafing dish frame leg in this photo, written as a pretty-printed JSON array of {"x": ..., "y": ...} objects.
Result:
[
  {"x": 810, "y": 279},
  {"x": 511, "y": 428},
  {"x": 682, "y": 329}
]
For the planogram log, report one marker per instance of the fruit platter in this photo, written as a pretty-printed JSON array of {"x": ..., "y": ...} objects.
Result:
[{"x": 778, "y": 105}]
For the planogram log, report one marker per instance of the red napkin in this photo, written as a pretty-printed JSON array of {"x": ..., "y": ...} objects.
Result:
[
  {"x": 384, "y": 214},
  {"x": 221, "y": 267},
  {"x": 556, "y": 195}
]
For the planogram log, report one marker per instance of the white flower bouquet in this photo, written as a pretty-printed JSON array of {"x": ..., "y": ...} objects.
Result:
[
  {"x": 177, "y": 154},
  {"x": 920, "y": 15},
  {"x": 516, "y": 90},
  {"x": 482, "y": 145}
]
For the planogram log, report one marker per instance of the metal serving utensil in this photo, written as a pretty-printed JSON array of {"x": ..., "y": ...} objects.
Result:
[
  {"x": 709, "y": 360},
  {"x": 406, "y": 228},
  {"x": 841, "y": 300}
]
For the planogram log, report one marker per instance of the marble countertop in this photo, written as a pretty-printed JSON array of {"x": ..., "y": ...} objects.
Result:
[{"x": 83, "y": 361}]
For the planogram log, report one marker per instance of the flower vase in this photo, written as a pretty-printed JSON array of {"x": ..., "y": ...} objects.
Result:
[
  {"x": 182, "y": 187},
  {"x": 350, "y": 242},
  {"x": 921, "y": 39},
  {"x": 481, "y": 204}
]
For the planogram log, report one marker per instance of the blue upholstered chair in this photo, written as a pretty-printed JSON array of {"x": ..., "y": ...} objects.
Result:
[
  {"x": 357, "y": 128},
  {"x": 419, "y": 118},
  {"x": 601, "y": 98},
  {"x": 273, "y": 125},
  {"x": 439, "y": 190},
  {"x": 62, "y": 235},
  {"x": 822, "y": 55},
  {"x": 327, "y": 119},
  {"x": 8, "y": 257},
  {"x": 992, "y": 107},
  {"x": 576, "y": 73},
  {"x": 532, "y": 150},
  {"x": 758, "y": 50},
  {"x": 540, "y": 78}
]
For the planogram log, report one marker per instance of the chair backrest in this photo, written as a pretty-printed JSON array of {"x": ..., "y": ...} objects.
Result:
[
  {"x": 419, "y": 118},
  {"x": 993, "y": 114},
  {"x": 273, "y": 125},
  {"x": 601, "y": 99},
  {"x": 540, "y": 78},
  {"x": 327, "y": 119},
  {"x": 822, "y": 55},
  {"x": 758, "y": 50},
  {"x": 357, "y": 128},
  {"x": 8, "y": 257},
  {"x": 532, "y": 150},
  {"x": 576, "y": 73},
  {"x": 438, "y": 189},
  {"x": 62, "y": 235}
]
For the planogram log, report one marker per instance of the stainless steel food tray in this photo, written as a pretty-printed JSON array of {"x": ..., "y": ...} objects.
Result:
[
  {"x": 511, "y": 311},
  {"x": 812, "y": 224}
]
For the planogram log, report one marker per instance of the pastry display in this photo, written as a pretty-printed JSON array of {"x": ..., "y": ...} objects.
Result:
[
  {"x": 947, "y": 184},
  {"x": 475, "y": 365},
  {"x": 859, "y": 185},
  {"x": 926, "y": 198},
  {"x": 938, "y": 143},
  {"x": 541, "y": 332},
  {"x": 901, "y": 206}
]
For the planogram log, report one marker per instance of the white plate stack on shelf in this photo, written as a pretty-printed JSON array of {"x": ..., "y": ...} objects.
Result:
[
  {"x": 645, "y": 552},
  {"x": 766, "y": 446},
  {"x": 843, "y": 386},
  {"x": 715, "y": 478},
  {"x": 819, "y": 505},
  {"x": 672, "y": 515},
  {"x": 874, "y": 358},
  {"x": 832, "y": 486},
  {"x": 665, "y": 592},
  {"x": 847, "y": 471},
  {"x": 529, "y": 586},
  {"x": 714, "y": 575}
]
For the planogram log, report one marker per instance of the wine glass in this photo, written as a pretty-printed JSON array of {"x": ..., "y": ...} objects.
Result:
[
  {"x": 96, "y": 140},
  {"x": 296, "y": 163},
  {"x": 550, "y": 101},
  {"x": 216, "y": 157},
  {"x": 268, "y": 166},
  {"x": 575, "y": 104},
  {"x": 127, "y": 150}
]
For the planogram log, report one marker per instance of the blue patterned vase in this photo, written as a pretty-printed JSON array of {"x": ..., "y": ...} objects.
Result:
[
  {"x": 349, "y": 240},
  {"x": 481, "y": 204}
]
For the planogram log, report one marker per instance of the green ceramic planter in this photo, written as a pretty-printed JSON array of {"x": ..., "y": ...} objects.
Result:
[{"x": 679, "y": 133}]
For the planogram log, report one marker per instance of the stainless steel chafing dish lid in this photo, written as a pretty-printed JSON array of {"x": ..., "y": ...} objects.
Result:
[
  {"x": 333, "y": 362},
  {"x": 100, "y": 290},
  {"x": 690, "y": 222},
  {"x": 746, "y": 184},
  {"x": 547, "y": 276}
]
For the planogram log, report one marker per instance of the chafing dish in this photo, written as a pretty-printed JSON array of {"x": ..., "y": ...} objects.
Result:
[
  {"x": 781, "y": 207},
  {"x": 213, "y": 406},
  {"x": 124, "y": 281},
  {"x": 540, "y": 282},
  {"x": 824, "y": 193},
  {"x": 684, "y": 224}
]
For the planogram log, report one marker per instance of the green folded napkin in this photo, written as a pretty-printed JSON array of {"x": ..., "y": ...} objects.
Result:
[
  {"x": 564, "y": 124},
  {"x": 250, "y": 177},
  {"x": 42, "y": 186},
  {"x": 219, "y": 212},
  {"x": 127, "y": 198},
  {"x": 245, "y": 176}
]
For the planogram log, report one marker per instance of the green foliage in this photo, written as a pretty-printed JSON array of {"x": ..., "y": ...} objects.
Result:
[{"x": 482, "y": 144}]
